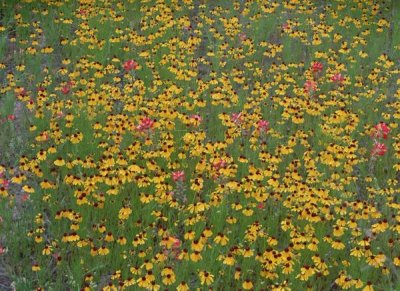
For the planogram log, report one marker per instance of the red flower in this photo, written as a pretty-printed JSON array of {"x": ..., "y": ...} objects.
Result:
[
  {"x": 130, "y": 65},
  {"x": 337, "y": 78},
  {"x": 263, "y": 125},
  {"x": 177, "y": 243},
  {"x": 11, "y": 117},
  {"x": 242, "y": 36},
  {"x": 178, "y": 176},
  {"x": 317, "y": 67},
  {"x": 237, "y": 118},
  {"x": 219, "y": 164},
  {"x": 379, "y": 149},
  {"x": 381, "y": 130},
  {"x": 5, "y": 183},
  {"x": 285, "y": 26},
  {"x": 146, "y": 123},
  {"x": 310, "y": 86},
  {"x": 24, "y": 197},
  {"x": 65, "y": 89}
]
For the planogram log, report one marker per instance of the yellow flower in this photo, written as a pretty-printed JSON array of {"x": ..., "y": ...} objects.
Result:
[
  {"x": 248, "y": 211},
  {"x": 396, "y": 261},
  {"x": 47, "y": 250},
  {"x": 59, "y": 162},
  {"x": 356, "y": 252},
  {"x": 305, "y": 273},
  {"x": 229, "y": 260},
  {"x": 338, "y": 245},
  {"x": 189, "y": 235},
  {"x": 368, "y": 287},
  {"x": 124, "y": 213},
  {"x": 28, "y": 189},
  {"x": 196, "y": 256},
  {"x": 247, "y": 285},
  {"x": 168, "y": 279},
  {"x": 143, "y": 282},
  {"x": 231, "y": 220},
  {"x": 35, "y": 267},
  {"x": 206, "y": 278},
  {"x": 221, "y": 239},
  {"x": 376, "y": 261},
  {"x": 183, "y": 286},
  {"x": 197, "y": 245}
]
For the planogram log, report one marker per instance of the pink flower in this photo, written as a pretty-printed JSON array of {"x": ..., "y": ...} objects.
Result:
[
  {"x": 310, "y": 86},
  {"x": 317, "y": 67},
  {"x": 285, "y": 26},
  {"x": 260, "y": 205},
  {"x": 263, "y": 125},
  {"x": 145, "y": 124},
  {"x": 178, "y": 176},
  {"x": 65, "y": 89},
  {"x": 11, "y": 117},
  {"x": 130, "y": 65},
  {"x": 219, "y": 164},
  {"x": 337, "y": 78},
  {"x": 3, "y": 250},
  {"x": 24, "y": 197},
  {"x": 237, "y": 118},
  {"x": 177, "y": 243},
  {"x": 5, "y": 183},
  {"x": 242, "y": 36},
  {"x": 381, "y": 130},
  {"x": 379, "y": 149}
]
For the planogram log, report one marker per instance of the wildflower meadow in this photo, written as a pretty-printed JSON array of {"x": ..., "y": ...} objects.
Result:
[{"x": 199, "y": 145}]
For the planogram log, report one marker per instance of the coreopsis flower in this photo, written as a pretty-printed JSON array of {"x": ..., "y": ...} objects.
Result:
[
  {"x": 178, "y": 176},
  {"x": 206, "y": 278},
  {"x": 247, "y": 285},
  {"x": 317, "y": 67},
  {"x": 195, "y": 120},
  {"x": 368, "y": 287},
  {"x": 130, "y": 65},
  {"x": 35, "y": 267},
  {"x": 183, "y": 286},
  {"x": 379, "y": 149},
  {"x": 381, "y": 130},
  {"x": 305, "y": 273}
]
